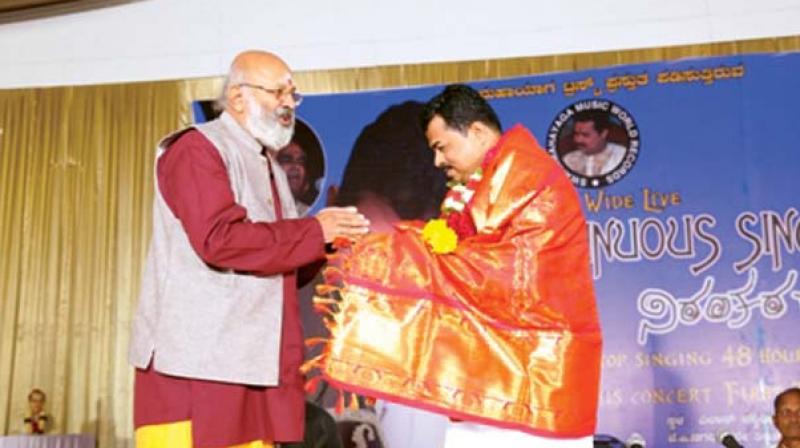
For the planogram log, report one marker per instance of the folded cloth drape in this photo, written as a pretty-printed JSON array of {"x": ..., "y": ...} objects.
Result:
[{"x": 503, "y": 330}]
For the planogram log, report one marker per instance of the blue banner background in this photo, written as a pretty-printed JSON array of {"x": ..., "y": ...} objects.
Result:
[{"x": 685, "y": 354}]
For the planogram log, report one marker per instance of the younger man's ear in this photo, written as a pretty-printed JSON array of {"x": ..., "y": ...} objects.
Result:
[{"x": 482, "y": 132}]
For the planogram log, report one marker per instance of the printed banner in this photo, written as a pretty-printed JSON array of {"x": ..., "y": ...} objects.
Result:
[{"x": 687, "y": 175}]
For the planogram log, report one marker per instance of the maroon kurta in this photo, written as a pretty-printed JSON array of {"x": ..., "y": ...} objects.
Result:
[{"x": 194, "y": 183}]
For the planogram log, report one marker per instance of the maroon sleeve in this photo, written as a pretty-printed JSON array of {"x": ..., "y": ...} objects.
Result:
[{"x": 194, "y": 183}]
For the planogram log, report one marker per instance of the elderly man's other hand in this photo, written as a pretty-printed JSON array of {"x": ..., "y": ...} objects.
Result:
[{"x": 344, "y": 222}]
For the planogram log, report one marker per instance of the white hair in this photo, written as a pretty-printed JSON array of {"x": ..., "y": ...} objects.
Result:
[{"x": 233, "y": 78}]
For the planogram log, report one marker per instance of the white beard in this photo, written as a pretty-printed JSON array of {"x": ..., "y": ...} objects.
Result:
[{"x": 264, "y": 126}]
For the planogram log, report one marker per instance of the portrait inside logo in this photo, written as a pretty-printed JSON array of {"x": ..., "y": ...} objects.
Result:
[{"x": 596, "y": 141}]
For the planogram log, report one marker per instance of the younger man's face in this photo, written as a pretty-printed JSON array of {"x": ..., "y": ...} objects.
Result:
[{"x": 459, "y": 154}]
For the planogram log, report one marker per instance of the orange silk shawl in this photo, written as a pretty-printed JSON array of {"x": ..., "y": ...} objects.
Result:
[{"x": 502, "y": 331}]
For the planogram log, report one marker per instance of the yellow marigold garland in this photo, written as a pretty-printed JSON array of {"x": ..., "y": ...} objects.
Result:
[{"x": 439, "y": 236}]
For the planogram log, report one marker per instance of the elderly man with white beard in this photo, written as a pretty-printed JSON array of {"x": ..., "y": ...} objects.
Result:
[{"x": 217, "y": 339}]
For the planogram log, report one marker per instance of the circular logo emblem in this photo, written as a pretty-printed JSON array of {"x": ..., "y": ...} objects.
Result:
[
  {"x": 596, "y": 141},
  {"x": 303, "y": 161}
]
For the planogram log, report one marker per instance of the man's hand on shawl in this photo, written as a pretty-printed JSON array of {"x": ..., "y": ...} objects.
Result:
[{"x": 342, "y": 222}]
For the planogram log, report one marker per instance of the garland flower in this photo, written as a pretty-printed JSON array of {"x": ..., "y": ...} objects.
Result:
[
  {"x": 455, "y": 222},
  {"x": 439, "y": 236}
]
